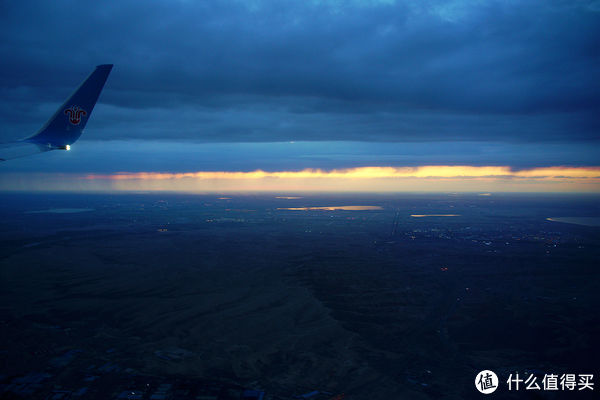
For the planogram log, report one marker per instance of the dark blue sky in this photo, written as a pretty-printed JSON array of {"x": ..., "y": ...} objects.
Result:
[{"x": 452, "y": 78}]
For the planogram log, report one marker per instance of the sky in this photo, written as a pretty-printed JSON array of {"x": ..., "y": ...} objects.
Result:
[{"x": 299, "y": 85}]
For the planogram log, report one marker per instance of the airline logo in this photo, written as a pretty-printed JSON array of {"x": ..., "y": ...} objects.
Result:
[{"x": 75, "y": 113}]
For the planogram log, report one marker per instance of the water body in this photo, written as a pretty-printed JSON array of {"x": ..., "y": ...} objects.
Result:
[
  {"x": 586, "y": 221},
  {"x": 60, "y": 211},
  {"x": 434, "y": 215},
  {"x": 334, "y": 208}
]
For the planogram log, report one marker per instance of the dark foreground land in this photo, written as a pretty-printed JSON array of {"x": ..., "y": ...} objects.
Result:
[{"x": 201, "y": 297}]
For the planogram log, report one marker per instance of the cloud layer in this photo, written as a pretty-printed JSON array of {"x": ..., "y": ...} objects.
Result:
[{"x": 252, "y": 71}]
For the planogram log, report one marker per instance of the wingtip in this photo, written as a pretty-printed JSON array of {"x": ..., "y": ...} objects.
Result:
[{"x": 109, "y": 66}]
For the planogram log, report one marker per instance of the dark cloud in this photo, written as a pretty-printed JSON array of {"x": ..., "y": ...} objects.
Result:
[
  {"x": 310, "y": 70},
  {"x": 147, "y": 155}
]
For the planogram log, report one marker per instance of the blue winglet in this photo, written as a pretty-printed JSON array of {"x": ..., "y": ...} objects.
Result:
[{"x": 67, "y": 123}]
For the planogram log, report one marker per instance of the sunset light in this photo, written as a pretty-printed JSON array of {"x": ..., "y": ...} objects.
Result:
[{"x": 363, "y": 179}]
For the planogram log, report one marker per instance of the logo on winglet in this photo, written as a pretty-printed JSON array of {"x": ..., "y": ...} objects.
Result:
[{"x": 75, "y": 113}]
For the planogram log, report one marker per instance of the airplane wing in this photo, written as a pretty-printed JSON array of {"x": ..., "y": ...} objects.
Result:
[
  {"x": 67, "y": 123},
  {"x": 12, "y": 150}
]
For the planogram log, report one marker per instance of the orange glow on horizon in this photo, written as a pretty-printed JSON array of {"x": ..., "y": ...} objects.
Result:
[
  {"x": 429, "y": 178},
  {"x": 428, "y": 171},
  {"x": 483, "y": 180}
]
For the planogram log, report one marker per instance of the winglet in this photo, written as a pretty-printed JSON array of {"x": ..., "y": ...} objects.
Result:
[{"x": 67, "y": 123}]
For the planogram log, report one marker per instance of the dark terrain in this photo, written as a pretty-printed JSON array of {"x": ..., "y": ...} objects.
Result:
[{"x": 216, "y": 294}]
